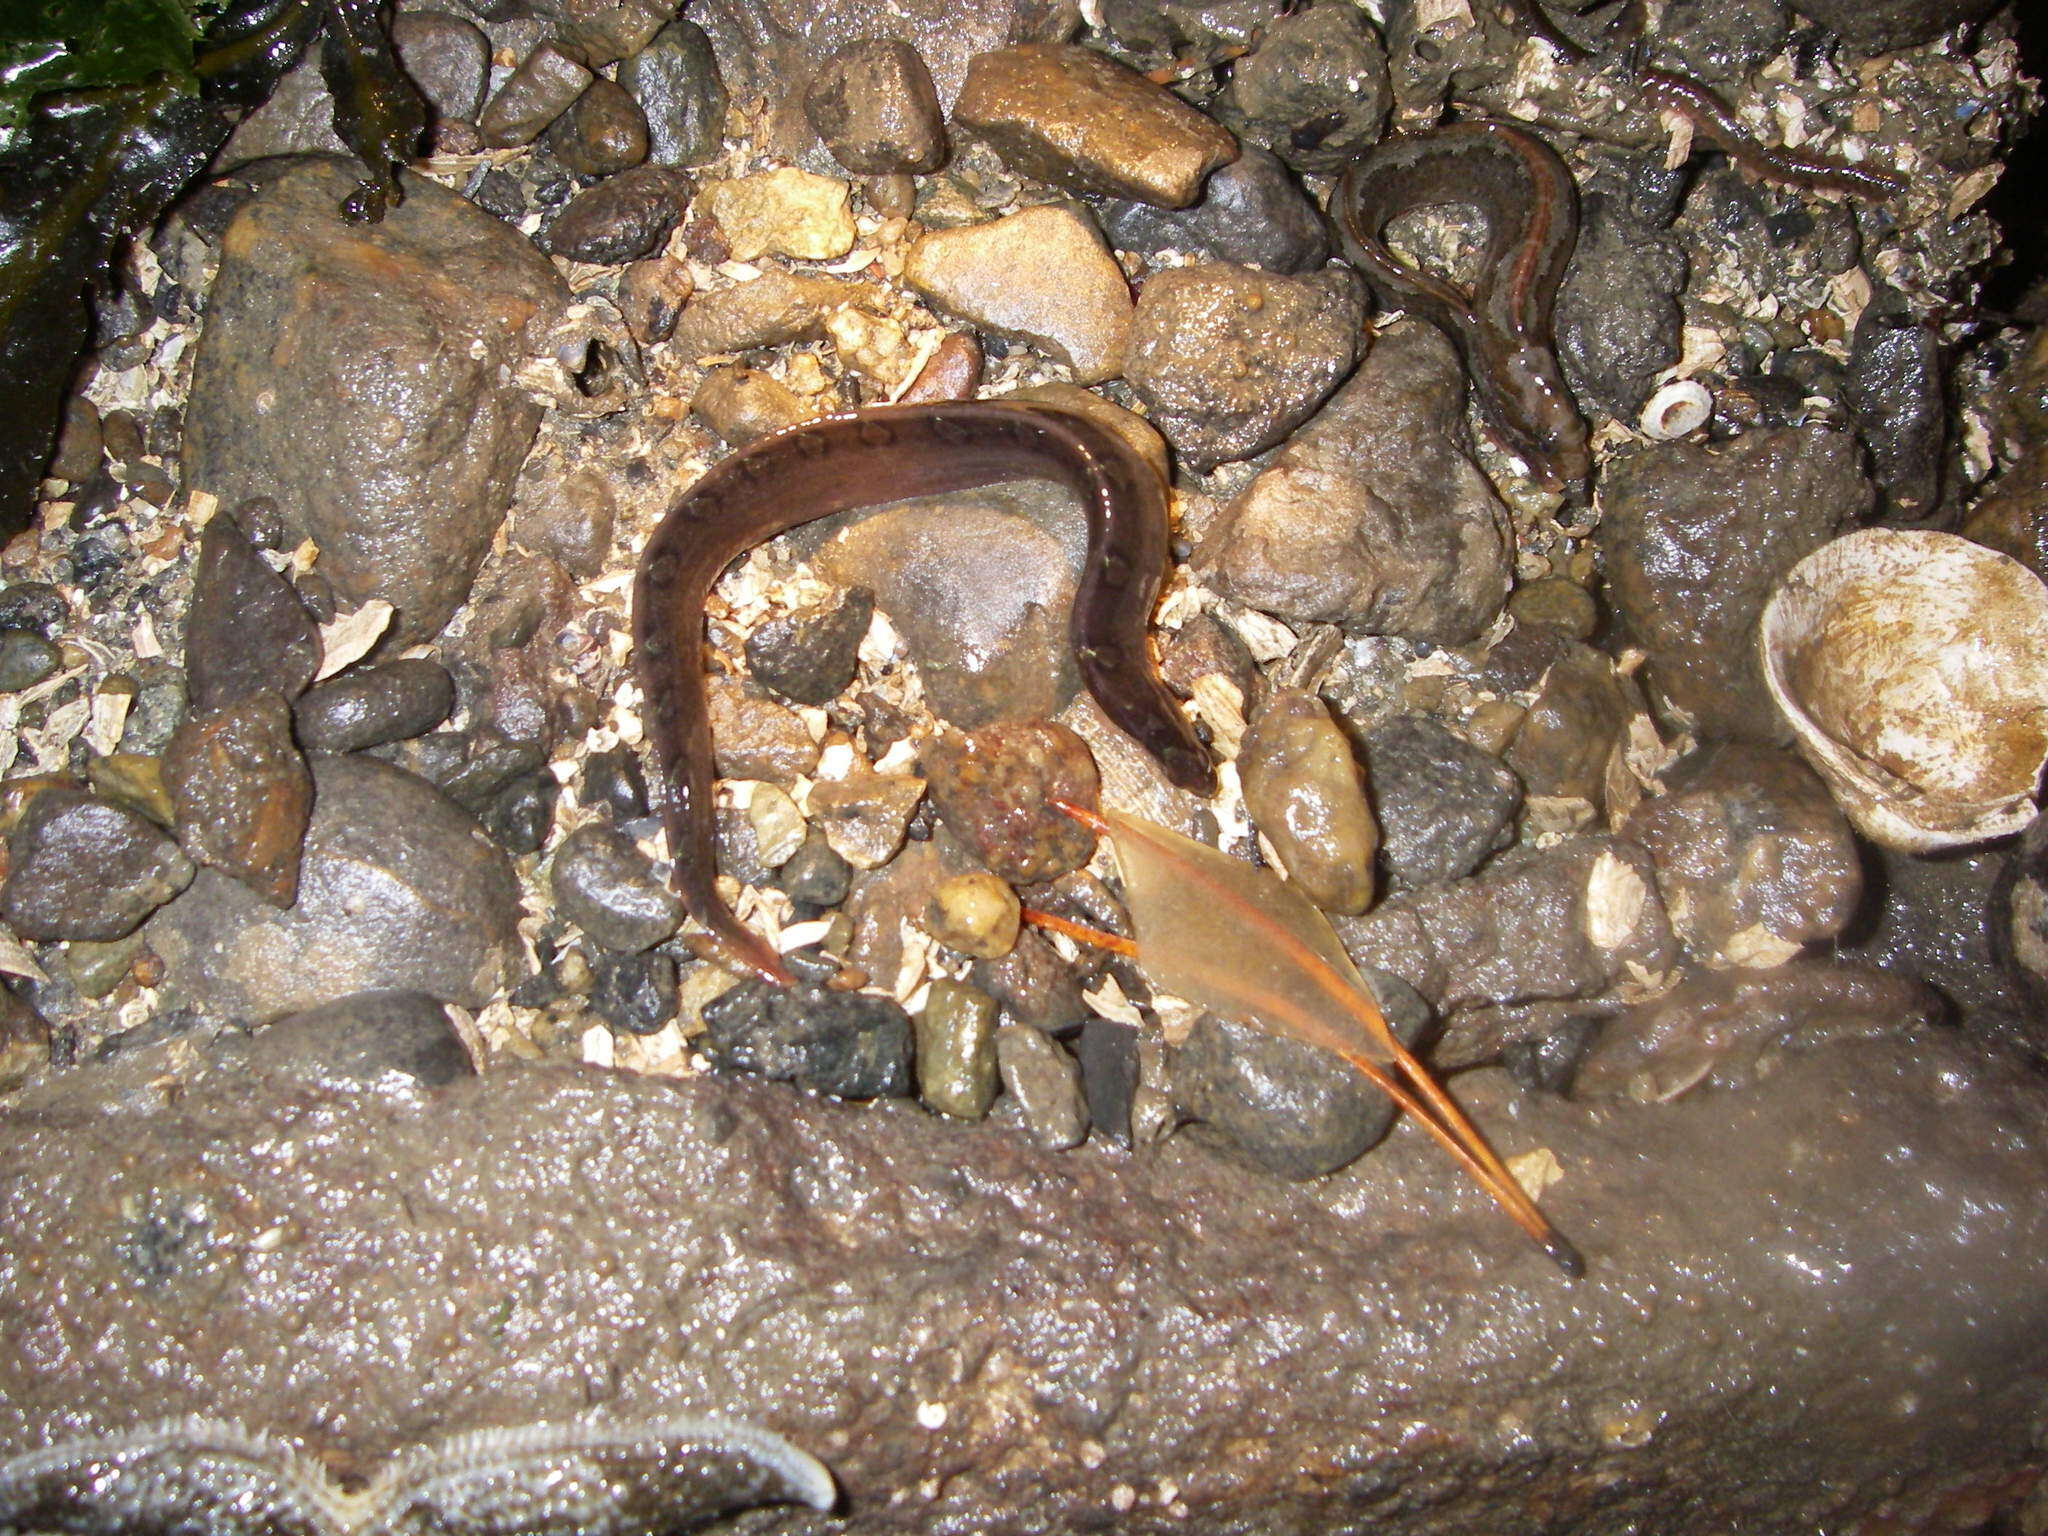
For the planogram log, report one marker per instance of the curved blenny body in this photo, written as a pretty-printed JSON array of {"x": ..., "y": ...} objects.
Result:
[
  {"x": 885, "y": 454},
  {"x": 1502, "y": 325}
]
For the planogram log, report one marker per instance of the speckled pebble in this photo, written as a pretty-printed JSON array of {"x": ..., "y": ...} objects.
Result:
[
  {"x": 811, "y": 655},
  {"x": 756, "y": 738},
  {"x": 994, "y": 789},
  {"x": 242, "y": 794},
  {"x": 82, "y": 868},
  {"x": 676, "y": 81},
  {"x": 636, "y": 993},
  {"x": 607, "y": 887},
  {"x": 815, "y": 875},
  {"x": 1045, "y": 1083},
  {"x": 849, "y": 1044},
  {"x": 1315, "y": 91},
  {"x": 874, "y": 105},
  {"x": 865, "y": 815},
  {"x": 1443, "y": 804},
  {"x": 975, "y": 913},
  {"x": 956, "y": 1049},
  {"x": 1302, "y": 788}
]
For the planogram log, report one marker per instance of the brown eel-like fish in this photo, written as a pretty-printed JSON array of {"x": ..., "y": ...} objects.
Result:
[
  {"x": 1502, "y": 324},
  {"x": 884, "y": 454}
]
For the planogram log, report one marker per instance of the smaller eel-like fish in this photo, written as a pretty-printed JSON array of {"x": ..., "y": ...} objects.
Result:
[
  {"x": 1502, "y": 323},
  {"x": 885, "y": 454}
]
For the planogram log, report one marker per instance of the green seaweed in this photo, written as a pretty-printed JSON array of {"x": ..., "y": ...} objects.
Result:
[{"x": 80, "y": 45}]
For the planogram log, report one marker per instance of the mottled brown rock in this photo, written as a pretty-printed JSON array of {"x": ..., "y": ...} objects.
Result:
[
  {"x": 652, "y": 294},
  {"x": 1572, "y": 728},
  {"x": 741, "y": 404},
  {"x": 603, "y": 133},
  {"x": 1082, "y": 121},
  {"x": 1695, "y": 537},
  {"x": 865, "y": 815},
  {"x": 398, "y": 888},
  {"x": 786, "y": 212},
  {"x": 994, "y": 789},
  {"x": 622, "y": 218},
  {"x": 1754, "y": 859},
  {"x": 1041, "y": 276},
  {"x": 875, "y": 107},
  {"x": 242, "y": 794},
  {"x": 605, "y": 31},
  {"x": 952, "y": 372},
  {"x": 360, "y": 375},
  {"x": 771, "y": 309},
  {"x": 1374, "y": 516},
  {"x": 247, "y": 631},
  {"x": 1231, "y": 359},
  {"x": 543, "y": 86},
  {"x": 755, "y": 737},
  {"x": 1302, "y": 788},
  {"x": 1807, "y": 1364}
]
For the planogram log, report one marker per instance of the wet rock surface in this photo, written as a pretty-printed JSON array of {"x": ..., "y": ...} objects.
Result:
[
  {"x": 875, "y": 108},
  {"x": 449, "y": 437},
  {"x": 82, "y": 868},
  {"x": 1251, "y": 212},
  {"x": 948, "y": 1215},
  {"x": 1442, "y": 804}
]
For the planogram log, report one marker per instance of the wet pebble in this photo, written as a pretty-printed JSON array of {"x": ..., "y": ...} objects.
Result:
[
  {"x": 1888, "y": 25},
  {"x": 1897, "y": 390},
  {"x": 865, "y": 815},
  {"x": 994, "y": 789},
  {"x": 1231, "y": 359},
  {"x": 1042, "y": 276},
  {"x": 1045, "y": 1084},
  {"x": 622, "y": 218},
  {"x": 361, "y": 1038},
  {"x": 764, "y": 312},
  {"x": 1078, "y": 119},
  {"x": 756, "y": 738},
  {"x": 1443, "y": 804},
  {"x": 1754, "y": 859},
  {"x": 368, "y": 706},
  {"x": 955, "y": 1033},
  {"x": 520, "y": 816},
  {"x": 80, "y": 442},
  {"x": 568, "y": 517},
  {"x": 1719, "y": 41},
  {"x": 241, "y": 793},
  {"x": 135, "y": 780},
  {"x": 676, "y": 81},
  {"x": 779, "y": 827},
  {"x": 1251, "y": 212},
  {"x": 82, "y": 868},
  {"x": 96, "y": 969},
  {"x": 35, "y": 605},
  {"x": 1316, "y": 90},
  {"x": 811, "y": 656},
  {"x": 1302, "y": 788},
  {"x": 446, "y": 57},
  {"x": 952, "y": 372},
  {"x": 651, "y": 297},
  {"x": 1617, "y": 317},
  {"x": 543, "y": 86},
  {"x": 1033, "y": 984},
  {"x": 1204, "y": 647},
  {"x": 601, "y": 134},
  {"x": 975, "y": 913},
  {"x": 605, "y": 885},
  {"x": 247, "y": 631},
  {"x": 1373, "y": 516},
  {"x": 26, "y": 659},
  {"x": 1292, "y": 1108},
  {"x": 1695, "y": 537},
  {"x": 1572, "y": 728},
  {"x": 743, "y": 404},
  {"x": 24, "y": 1041},
  {"x": 612, "y": 779},
  {"x": 874, "y": 105},
  {"x": 815, "y": 875},
  {"x": 637, "y": 993},
  {"x": 849, "y": 1044},
  {"x": 605, "y": 31},
  {"x": 1107, "y": 1051},
  {"x": 158, "y": 706},
  {"x": 786, "y": 212}
]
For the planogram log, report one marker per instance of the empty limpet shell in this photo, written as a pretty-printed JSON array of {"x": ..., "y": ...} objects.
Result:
[{"x": 1913, "y": 669}]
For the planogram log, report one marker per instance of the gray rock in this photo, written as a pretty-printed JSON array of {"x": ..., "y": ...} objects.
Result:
[
  {"x": 812, "y": 655},
  {"x": 520, "y": 816},
  {"x": 636, "y": 993},
  {"x": 1316, "y": 91},
  {"x": 446, "y": 57},
  {"x": 1443, "y": 804},
  {"x": 1373, "y": 517},
  {"x": 399, "y": 888},
  {"x": 1251, "y": 212},
  {"x": 26, "y": 659},
  {"x": 545, "y": 84},
  {"x": 757, "y": 738},
  {"x": 359, "y": 1039},
  {"x": 393, "y": 399},
  {"x": 1568, "y": 737},
  {"x": 1695, "y": 538},
  {"x": 602, "y": 133},
  {"x": 82, "y": 868},
  {"x": 1752, "y": 853},
  {"x": 1291, "y": 1108},
  {"x": 603, "y": 32},
  {"x": 247, "y": 632},
  {"x": 874, "y": 106},
  {"x": 242, "y": 793},
  {"x": 1042, "y": 276},
  {"x": 1079, "y": 120},
  {"x": 607, "y": 887},
  {"x": 1933, "y": 918},
  {"x": 1037, "y": 989},
  {"x": 297, "y": 118},
  {"x": 1617, "y": 317},
  {"x": 815, "y": 875},
  {"x": 849, "y": 1044},
  {"x": 368, "y": 706},
  {"x": 613, "y": 780},
  {"x": 1896, "y": 388},
  {"x": 1722, "y": 40},
  {"x": 622, "y": 218},
  {"x": 1044, "y": 1083},
  {"x": 1884, "y": 26},
  {"x": 35, "y": 605},
  {"x": 676, "y": 81},
  {"x": 1231, "y": 359}
]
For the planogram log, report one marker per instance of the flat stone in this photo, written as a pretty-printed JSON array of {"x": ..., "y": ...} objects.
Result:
[
  {"x": 1080, "y": 120},
  {"x": 359, "y": 1039},
  {"x": 786, "y": 212},
  {"x": 446, "y": 57},
  {"x": 1042, "y": 276},
  {"x": 543, "y": 86}
]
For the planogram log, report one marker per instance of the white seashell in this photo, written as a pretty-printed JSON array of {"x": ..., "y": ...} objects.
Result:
[
  {"x": 1676, "y": 410},
  {"x": 1913, "y": 669}
]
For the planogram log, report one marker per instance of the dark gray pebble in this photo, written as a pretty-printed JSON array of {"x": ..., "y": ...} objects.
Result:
[
  {"x": 368, "y": 706},
  {"x": 26, "y": 659},
  {"x": 1443, "y": 804},
  {"x": 1895, "y": 387},
  {"x": 635, "y": 993},
  {"x": 613, "y": 780},
  {"x": 521, "y": 814},
  {"x": 360, "y": 1038},
  {"x": 1316, "y": 91},
  {"x": 620, "y": 219},
  {"x": 849, "y": 1044},
  {"x": 1293, "y": 1108},
  {"x": 32, "y": 605},
  {"x": 1108, "y": 1052},
  {"x": 1617, "y": 313},
  {"x": 82, "y": 868},
  {"x": 605, "y": 885},
  {"x": 602, "y": 134},
  {"x": 248, "y": 633},
  {"x": 446, "y": 57},
  {"x": 1251, "y": 212},
  {"x": 676, "y": 81},
  {"x": 812, "y": 655},
  {"x": 544, "y": 86}
]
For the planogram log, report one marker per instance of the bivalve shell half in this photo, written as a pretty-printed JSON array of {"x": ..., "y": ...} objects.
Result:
[{"x": 1913, "y": 668}]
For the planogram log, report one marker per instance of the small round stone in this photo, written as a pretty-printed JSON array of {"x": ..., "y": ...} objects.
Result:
[
  {"x": 607, "y": 887},
  {"x": 26, "y": 659},
  {"x": 956, "y": 1050},
  {"x": 975, "y": 913},
  {"x": 635, "y": 993}
]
